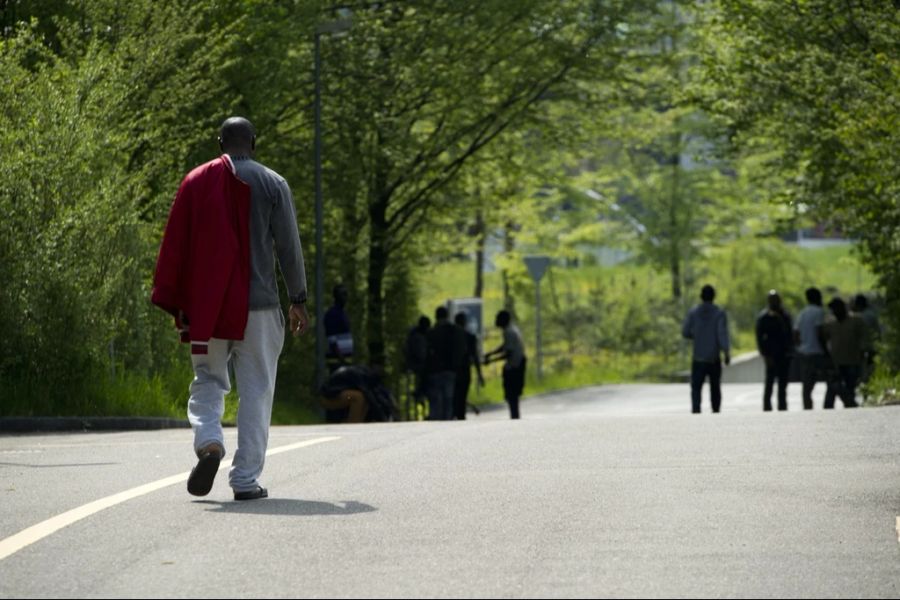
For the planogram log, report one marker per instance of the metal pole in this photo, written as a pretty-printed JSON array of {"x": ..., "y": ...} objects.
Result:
[
  {"x": 320, "y": 246},
  {"x": 537, "y": 337}
]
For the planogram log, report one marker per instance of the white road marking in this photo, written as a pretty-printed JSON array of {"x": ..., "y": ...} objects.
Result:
[{"x": 28, "y": 536}]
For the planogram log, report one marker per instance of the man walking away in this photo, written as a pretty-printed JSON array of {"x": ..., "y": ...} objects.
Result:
[
  {"x": 216, "y": 275},
  {"x": 513, "y": 351},
  {"x": 810, "y": 353},
  {"x": 774, "y": 340},
  {"x": 707, "y": 325},
  {"x": 446, "y": 354},
  {"x": 845, "y": 338}
]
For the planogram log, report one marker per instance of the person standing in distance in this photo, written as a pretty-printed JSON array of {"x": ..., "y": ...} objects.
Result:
[
  {"x": 707, "y": 325},
  {"x": 338, "y": 332},
  {"x": 810, "y": 352},
  {"x": 216, "y": 275},
  {"x": 464, "y": 374},
  {"x": 446, "y": 355},
  {"x": 513, "y": 351},
  {"x": 775, "y": 342},
  {"x": 846, "y": 338}
]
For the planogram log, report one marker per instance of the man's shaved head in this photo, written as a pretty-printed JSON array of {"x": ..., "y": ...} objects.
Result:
[{"x": 237, "y": 135}]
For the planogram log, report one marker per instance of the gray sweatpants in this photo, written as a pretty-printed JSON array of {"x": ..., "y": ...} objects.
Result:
[{"x": 255, "y": 362}]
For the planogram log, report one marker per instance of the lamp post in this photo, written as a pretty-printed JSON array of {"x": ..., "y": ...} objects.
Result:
[{"x": 330, "y": 27}]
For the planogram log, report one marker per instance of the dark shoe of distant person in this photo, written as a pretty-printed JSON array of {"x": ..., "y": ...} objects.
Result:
[
  {"x": 201, "y": 479},
  {"x": 259, "y": 492}
]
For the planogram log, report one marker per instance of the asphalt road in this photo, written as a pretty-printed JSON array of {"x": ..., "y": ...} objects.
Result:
[{"x": 609, "y": 491}]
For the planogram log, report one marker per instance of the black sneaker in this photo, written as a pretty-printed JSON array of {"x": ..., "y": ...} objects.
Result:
[
  {"x": 259, "y": 492},
  {"x": 201, "y": 479}
]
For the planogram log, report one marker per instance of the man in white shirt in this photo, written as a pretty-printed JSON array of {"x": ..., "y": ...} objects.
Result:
[
  {"x": 513, "y": 351},
  {"x": 810, "y": 354}
]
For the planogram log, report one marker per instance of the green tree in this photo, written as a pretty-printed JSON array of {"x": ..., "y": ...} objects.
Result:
[
  {"x": 98, "y": 113},
  {"x": 814, "y": 86},
  {"x": 651, "y": 166},
  {"x": 441, "y": 82}
]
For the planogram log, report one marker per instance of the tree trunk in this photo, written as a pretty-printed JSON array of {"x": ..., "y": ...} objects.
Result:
[
  {"x": 378, "y": 264},
  {"x": 509, "y": 244},
  {"x": 674, "y": 210},
  {"x": 351, "y": 273},
  {"x": 481, "y": 232}
]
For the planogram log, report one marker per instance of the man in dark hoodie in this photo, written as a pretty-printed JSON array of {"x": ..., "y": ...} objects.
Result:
[
  {"x": 446, "y": 354},
  {"x": 846, "y": 338},
  {"x": 774, "y": 339},
  {"x": 707, "y": 325}
]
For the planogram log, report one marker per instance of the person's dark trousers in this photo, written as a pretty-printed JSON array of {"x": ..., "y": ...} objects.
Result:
[
  {"x": 812, "y": 367},
  {"x": 513, "y": 386},
  {"x": 461, "y": 393},
  {"x": 440, "y": 395},
  {"x": 699, "y": 372},
  {"x": 843, "y": 385},
  {"x": 779, "y": 369}
]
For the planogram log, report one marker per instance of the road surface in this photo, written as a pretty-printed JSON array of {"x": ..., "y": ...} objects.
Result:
[{"x": 606, "y": 491}]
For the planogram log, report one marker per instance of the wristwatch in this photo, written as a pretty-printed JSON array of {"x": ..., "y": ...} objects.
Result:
[{"x": 299, "y": 298}]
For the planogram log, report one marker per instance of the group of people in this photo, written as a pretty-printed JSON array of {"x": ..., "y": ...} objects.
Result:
[
  {"x": 440, "y": 360},
  {"x": 233, "y": 217},
  {"x": 838, "y": 347}
]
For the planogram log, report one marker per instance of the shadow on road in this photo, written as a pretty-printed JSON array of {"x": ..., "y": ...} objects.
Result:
[{"x": 289, "y": 507}]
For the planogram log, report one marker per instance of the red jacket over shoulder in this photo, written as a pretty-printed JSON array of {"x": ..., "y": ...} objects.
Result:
[{"x": 203, "y": 270}]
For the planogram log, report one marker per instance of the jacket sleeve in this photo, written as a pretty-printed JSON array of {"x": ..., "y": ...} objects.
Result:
[
  {"x": 688, "y": 326},
  {"x": 173, "y": 254}
]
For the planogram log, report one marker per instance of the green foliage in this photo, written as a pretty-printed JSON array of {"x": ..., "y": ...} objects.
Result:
[
  {"x": 443, "y": 81},
  {"x": 549, "y": 127},
  {"x": 883, "y": 387},
  {"x": 814, "y": 86},
  {"x": 95, "y": 126}
]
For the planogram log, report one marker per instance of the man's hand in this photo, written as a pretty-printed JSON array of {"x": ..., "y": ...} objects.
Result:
[
  {"x": 299, "y": 319},
  {"x": 727, "y": 359}
]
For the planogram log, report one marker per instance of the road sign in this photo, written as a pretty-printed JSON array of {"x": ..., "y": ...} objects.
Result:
[{"x": 537, "y": 266}]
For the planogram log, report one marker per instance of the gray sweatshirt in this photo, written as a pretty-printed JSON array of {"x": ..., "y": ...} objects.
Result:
[
  {"x": 273, "y": 230},
  {"x": 707, "y": 325}
]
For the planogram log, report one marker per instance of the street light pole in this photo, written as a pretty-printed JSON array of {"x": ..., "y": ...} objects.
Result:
[
  {"x": 320, "y": 246},
  {"x": 324, "y": 28}
]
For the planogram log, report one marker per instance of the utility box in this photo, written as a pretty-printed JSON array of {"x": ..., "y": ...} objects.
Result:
[{"x": 474, "y": 309}]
